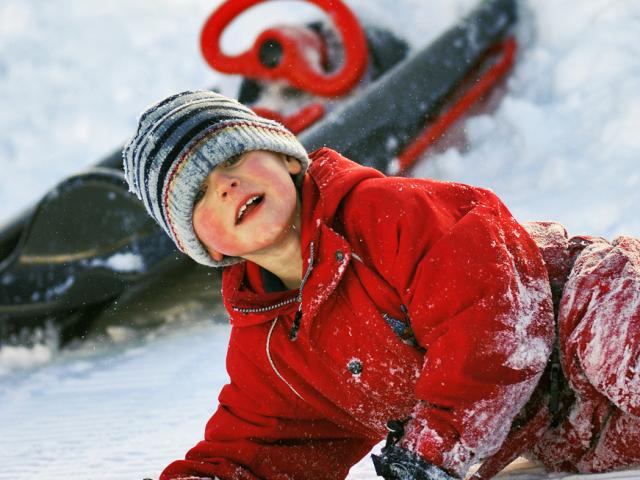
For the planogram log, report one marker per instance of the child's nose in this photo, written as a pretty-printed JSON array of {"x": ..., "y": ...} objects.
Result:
[{"x": 226, "y": 186}]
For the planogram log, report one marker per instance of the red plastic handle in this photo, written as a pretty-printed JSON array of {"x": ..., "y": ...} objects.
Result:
[{"x": 300, "y": 61}]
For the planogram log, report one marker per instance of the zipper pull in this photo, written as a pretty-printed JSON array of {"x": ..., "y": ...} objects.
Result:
[{"x": 293, "y": 335}]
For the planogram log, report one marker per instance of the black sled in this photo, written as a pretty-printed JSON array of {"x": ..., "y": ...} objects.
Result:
[{"x": 88, "y": 256}]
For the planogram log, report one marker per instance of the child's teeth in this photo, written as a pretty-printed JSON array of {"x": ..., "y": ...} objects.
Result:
[{"x": 244, "y": 207}]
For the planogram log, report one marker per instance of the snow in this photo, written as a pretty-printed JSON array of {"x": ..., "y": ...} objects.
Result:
[
  {"x": 561, "y": 144},
  {"x": 526, "y": 350},
  {"x": 601, "y": 359},
  {"x": 111, "y": 410},
  {"x": 19, "y": 357},
  {"x": 58, "y": 290},
  {"x": 121, "y": 262}
]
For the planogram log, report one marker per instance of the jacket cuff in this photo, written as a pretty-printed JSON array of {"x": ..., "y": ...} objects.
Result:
[{"x": 438, "y": 448}]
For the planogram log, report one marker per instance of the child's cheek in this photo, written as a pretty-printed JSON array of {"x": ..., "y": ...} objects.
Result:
[
  {"x": 259, "y": 172},
  {"x": 264, "y": 232},
  {"x": 211, "y": 231},
  {"x": 280, "y": 185}
]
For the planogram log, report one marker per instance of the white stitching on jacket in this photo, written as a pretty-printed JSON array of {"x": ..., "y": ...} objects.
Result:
[{"x": 273, "y": 324}]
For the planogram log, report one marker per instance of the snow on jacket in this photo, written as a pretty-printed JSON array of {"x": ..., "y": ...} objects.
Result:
[
  {"x": 420, "y": 299},
  {"x": 596, "y": 287}
]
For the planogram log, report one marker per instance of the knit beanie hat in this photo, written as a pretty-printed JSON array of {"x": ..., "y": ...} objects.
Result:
[{"x": 177, "y": 144}]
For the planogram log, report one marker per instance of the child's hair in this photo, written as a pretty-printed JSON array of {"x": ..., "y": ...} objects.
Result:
[{"x": 179, "y": 141}]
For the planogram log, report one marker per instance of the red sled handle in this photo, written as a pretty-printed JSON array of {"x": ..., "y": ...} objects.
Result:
[
  {"x": 434, "y": 131},
  {"x": 294, "y": 54}
]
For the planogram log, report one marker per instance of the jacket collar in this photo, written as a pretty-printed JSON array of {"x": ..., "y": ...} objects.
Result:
[{"x": 325, "y": 252}]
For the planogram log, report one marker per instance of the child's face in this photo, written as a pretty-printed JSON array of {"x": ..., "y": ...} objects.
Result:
[{"x": 246, "y": 204}]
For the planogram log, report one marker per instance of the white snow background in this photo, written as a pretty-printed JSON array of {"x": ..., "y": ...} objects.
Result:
[{"x": 562, "y": 145}]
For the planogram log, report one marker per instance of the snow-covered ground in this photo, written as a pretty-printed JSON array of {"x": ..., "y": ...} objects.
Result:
[
  {"x": 122, "y": 411},
  {"x": 562, "y": 145}
]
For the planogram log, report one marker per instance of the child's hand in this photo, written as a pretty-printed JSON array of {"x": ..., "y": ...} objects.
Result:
[{"x": 396, "y": 463}]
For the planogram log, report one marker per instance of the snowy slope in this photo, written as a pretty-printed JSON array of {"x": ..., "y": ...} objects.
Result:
[
  {"x": 74, "y": 75},
  {"x": 563, "y": 144}
]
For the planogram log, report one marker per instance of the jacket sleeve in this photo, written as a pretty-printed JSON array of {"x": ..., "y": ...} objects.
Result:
[
  {"x": 256, "y": 433},
  {"x": 479, "y": 302}
]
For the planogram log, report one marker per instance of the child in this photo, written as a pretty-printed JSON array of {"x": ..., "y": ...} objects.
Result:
[{"x": 365, "y": 306}]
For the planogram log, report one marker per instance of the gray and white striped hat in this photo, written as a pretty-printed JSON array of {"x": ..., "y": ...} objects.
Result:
[{"x": 177, "y": 144}]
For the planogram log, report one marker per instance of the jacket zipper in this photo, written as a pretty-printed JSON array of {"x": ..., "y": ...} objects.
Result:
[
  {"x": 296, "y": 321},
  {"x": 275, "y": 306},
  {"x": 297, "y": 298}
]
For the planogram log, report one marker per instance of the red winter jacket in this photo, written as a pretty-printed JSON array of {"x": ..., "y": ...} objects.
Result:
[{"x": 421, "y": 299}]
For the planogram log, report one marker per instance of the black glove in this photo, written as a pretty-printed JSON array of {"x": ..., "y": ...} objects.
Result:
[{"x": 396, "y": 463}]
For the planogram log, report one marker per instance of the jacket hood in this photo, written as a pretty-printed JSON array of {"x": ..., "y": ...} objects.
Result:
[
  {"x": 328, "y": 181},
  {"x": 334, "y": 177}
]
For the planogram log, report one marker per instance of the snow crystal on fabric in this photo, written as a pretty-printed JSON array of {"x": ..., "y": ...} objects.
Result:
[
  {"x": 458, "y": 459},
  {"x": 617, "y": 446},
  {"x": 488, "y": 422},
  {"x": 613, "y": 312},
  {"x": 529, "y": 351},
  {"x": 546, "y": 234}
]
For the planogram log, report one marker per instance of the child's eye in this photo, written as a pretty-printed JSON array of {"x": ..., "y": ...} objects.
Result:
[
  {"x": 200, "y": 194},
  {"x": 230, "y": 161}
]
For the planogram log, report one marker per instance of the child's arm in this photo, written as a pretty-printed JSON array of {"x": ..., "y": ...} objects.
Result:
[
  {"x": 269, "y": 452},
  {"x": 479, "y": 302},
  {"x": 257, "y": 434}
]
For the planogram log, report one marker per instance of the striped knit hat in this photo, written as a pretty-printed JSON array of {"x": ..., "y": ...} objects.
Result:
[{"x": 177, "y": 144}]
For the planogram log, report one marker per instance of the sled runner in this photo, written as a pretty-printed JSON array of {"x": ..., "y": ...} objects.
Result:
[{"x": 87, "y": 255}]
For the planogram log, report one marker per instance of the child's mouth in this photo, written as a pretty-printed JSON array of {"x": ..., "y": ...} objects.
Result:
[{"x": 248, "y": 207}]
